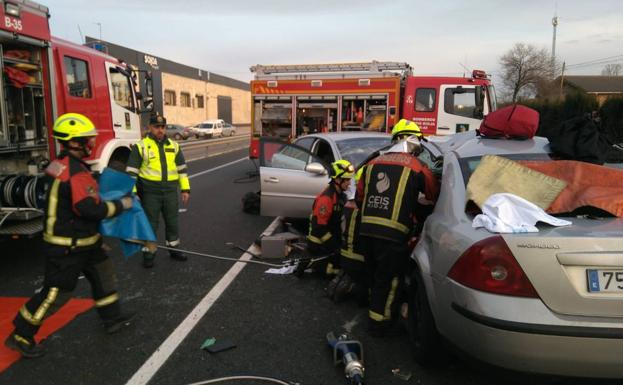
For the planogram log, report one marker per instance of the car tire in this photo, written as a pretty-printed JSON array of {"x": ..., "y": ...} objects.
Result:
[
  {"x": 425, "y": 341},
  {"x": 177, "y": 137},
  {"x": 198, "y": 136}
]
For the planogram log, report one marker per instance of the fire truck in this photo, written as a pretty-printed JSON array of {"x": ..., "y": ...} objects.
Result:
[
  {"x": 42, "y": 78},
  {"x": 292, "y": 100}
]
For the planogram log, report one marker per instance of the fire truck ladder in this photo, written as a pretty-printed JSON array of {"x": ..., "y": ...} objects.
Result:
[{"x": 373, "y": 66}]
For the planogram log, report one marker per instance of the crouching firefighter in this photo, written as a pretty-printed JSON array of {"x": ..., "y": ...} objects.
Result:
[
  {"x": 397, "y": 192},
  {"x": 352, "y": 281},
  {"x": 325, "y": 230},
  {"x": 72, "y": 243}
]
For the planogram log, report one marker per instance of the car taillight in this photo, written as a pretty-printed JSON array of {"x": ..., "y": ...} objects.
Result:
[{"x": 489, "y": 265}]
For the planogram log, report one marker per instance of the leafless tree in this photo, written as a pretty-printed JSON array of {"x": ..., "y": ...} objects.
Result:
[
  {"x": 524, "y": 68},
  {"x": 612, "y": 70}
]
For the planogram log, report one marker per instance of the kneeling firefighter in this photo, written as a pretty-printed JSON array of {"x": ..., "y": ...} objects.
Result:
[
  {"x": 72, "y": 243},
  {"x": 325, "y": 229},
  {"x": 396, "y": 193}
]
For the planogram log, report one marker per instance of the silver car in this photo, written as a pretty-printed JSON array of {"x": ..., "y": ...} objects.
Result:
[
  {"x": 291, "y": 175},
  {"x": 519, "y": 301}
]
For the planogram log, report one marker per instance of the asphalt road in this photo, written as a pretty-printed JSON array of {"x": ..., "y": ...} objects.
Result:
[{"x": 278, "y": 323}]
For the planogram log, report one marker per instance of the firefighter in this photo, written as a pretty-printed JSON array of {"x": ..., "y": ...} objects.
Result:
[
  {"x": 325, "y": 229},
  {"x": 72, "y": 243},
  {"x": 159, "y": 164},
  {"x": 352, "y": 280},
  {"x": 397, "y": 192}
]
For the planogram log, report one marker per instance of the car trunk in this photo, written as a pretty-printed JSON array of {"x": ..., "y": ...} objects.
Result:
[{"x": 577, "y": 269}]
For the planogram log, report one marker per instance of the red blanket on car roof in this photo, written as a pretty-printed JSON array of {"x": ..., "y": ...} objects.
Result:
[{"x": 587, "y": 185}]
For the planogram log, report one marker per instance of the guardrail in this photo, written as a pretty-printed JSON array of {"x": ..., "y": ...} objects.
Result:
[{"x": 209, "y": 142}]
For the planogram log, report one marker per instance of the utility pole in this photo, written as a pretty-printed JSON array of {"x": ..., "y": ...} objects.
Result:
[
  {"x": 554, "y": 24},
  {"x": 562, "y": 79}
]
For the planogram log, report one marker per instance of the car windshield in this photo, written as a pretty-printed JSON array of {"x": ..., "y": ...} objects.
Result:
[{"x": 356, "y": 150}]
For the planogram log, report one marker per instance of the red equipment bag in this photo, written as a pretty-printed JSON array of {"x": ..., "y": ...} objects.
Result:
[{"x": 512, "y": 122}]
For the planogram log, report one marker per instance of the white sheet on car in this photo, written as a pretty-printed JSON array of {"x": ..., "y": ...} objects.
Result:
[{"x": 509, "y": 213}]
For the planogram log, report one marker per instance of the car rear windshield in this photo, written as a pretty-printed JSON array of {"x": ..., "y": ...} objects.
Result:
[
  {"x": 356, "y": 150},
  {"x": 468, "y": 165}
]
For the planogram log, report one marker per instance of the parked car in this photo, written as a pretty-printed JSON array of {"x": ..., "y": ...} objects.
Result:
[
  {"x": 291, "y": 175},
  {"x": 177, "y": 132},
  {"x": 229, "y": 129},
  {"x": 208, "y": 129},
  {"x": 520, "y": 301}
]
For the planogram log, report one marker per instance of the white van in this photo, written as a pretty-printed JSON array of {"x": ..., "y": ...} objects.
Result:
[{"x": 209, "y": 129}]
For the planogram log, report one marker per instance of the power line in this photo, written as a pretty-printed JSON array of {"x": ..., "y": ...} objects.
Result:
[{"x": 597, "y": 61}]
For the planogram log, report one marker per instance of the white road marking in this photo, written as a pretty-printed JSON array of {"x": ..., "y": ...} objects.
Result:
[
  {"x": 217, "y": 168},
  {"x": 164, "y": 351}
]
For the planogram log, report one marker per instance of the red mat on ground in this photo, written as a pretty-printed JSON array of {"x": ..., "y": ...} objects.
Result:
[{"x": 9, "y": 306}]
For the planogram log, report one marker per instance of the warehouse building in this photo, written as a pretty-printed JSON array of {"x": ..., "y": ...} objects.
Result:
[{"x": 183, "y": 94}]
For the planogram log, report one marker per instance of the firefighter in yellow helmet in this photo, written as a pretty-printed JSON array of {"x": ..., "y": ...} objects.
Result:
[
  {"x": 72, "y": 243},
  {"x": 395, "y": 194},
  {"x": 325, "y": 230},
  {"x": 160, "y": 168}
]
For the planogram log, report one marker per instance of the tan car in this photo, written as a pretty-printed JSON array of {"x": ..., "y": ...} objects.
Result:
[{"x": 547, "y": 302}]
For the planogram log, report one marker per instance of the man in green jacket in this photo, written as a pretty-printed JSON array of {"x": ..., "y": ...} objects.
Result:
[{"x": 160, "y": 168}]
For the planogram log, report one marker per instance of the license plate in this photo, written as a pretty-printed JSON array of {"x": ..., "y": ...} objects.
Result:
[{"x": 605, "y": 280}]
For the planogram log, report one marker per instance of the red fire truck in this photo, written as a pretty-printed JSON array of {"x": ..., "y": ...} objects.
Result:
[
  {"x": 292, "y": 100},
  {"x": 44, "y": 77}
]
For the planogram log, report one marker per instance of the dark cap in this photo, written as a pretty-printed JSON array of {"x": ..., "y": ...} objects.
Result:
[{"x": 157, "y": 120}]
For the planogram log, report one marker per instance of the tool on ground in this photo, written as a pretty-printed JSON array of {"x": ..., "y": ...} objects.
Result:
[
  {"x": 350, "y": 353},
  {"x": 152, "y": 246},
  {"x": 235, "y": 246}
]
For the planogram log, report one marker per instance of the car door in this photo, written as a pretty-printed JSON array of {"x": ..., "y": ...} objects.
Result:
[{"x": 288, "y": 184}]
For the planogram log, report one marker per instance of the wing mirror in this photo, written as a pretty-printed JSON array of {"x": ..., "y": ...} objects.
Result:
[{"x": 316, "y": 168}]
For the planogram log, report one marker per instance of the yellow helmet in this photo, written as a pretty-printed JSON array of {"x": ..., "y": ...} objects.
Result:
[
  {"x": 405, "y": 128},
  {"x": 342, "y": 169},
  {"x": 70, "y": 126}
]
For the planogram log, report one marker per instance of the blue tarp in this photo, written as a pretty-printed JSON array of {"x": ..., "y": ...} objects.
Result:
[{"x": 132, "y": 223}]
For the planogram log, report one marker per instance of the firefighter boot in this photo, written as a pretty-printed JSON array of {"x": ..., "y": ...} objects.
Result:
[
  {"x": 343, "y": 289},
  {"x": 148, "y": 259},
  {"x": 116, "y": 324},
  {"x": 26, "y": 346}
]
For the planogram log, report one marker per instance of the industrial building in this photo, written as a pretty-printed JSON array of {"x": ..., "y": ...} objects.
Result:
[{"x": 183, "y": 94}]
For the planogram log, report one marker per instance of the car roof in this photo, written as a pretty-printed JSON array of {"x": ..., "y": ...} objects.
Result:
[
  {"x": 338, "y": 136},
  {"x": 468, "y": 144}
]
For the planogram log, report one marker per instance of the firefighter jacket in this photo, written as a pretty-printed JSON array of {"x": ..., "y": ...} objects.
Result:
[
  {"x": 351, "y": 245},
  {"x": 388, "y": 195},
  {"x": 158, "y": 164},
  {"x": 325, "y": 230},
  {"x": 74, "y": 208}
]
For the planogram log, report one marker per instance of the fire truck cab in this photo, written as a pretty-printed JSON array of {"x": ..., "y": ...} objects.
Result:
[{"x": 44, "y": 77}]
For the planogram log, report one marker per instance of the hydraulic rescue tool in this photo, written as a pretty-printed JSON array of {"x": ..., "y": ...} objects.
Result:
[{"x": 350, "y": 353}]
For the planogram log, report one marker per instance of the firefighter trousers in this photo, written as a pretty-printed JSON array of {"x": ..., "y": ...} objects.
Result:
[
  {"x": 62, "y": 270},
  {"x": 162, "y": 200},
  {"x": 386, "y": 262}
]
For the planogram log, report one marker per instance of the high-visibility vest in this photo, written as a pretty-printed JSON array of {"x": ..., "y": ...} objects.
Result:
[{"x": 156, "y": 169}]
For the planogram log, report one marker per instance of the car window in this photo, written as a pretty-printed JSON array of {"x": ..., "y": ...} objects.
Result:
[
  {"x": 207, "y": 125},
  {"x": 306, "y": 143},
  {"x": 289, "y": 157},
  {"x": 435, "y": 165},
  {"x": 322, "y": 149},
  {"x": 356, "y": 150}
]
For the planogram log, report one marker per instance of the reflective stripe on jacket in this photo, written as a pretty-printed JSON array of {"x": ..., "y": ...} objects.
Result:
[
  {"x": 159, "y": 162},
  {"x": 391, "y": 186},
  {"x": 325, "y": 228},
  {"x": 74, "y": 208}
]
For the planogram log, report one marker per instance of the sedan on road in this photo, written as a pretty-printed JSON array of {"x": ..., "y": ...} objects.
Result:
[
  {"x": 178, "y": 132},
  {"x": 229, "y": 129},
  {"x": 548, "y": 302},
  {"x": 291, "y": 175}
]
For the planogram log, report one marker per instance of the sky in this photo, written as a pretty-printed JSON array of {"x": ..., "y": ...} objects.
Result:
[{"x": 439, "y": 37}]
